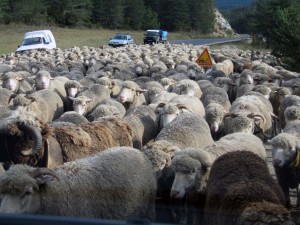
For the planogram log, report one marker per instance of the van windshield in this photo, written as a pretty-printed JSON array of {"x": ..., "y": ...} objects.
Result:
[{"x": 32, "y": 41}]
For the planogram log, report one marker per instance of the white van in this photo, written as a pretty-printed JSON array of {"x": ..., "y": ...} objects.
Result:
[{"x": 40, "y": 39}]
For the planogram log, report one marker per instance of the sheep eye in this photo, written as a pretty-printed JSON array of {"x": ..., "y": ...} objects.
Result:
[{"x": 27, "y": 193}]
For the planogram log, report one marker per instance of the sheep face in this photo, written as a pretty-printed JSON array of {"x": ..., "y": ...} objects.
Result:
[
  {"x": 71, "y": 92},
  {"x": 285, "y": 150},
  {"x": 12, "y": 83},
  {"x": 246, "y": 79},
  {"x": 80, "y": 104},
  {"x": 186, "y": 170},
  {"x": 19, "y": 189},
  {"x": 43, "y": 80},
  {"x": 181, "y": 183},
  {"x": 127, "y": 95}
]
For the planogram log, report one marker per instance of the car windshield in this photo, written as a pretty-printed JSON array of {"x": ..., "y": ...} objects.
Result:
[
  {"x": 120, "y": 37},
  {"x": 32, "y": 41},
  {"x": 152, "y": 33}
]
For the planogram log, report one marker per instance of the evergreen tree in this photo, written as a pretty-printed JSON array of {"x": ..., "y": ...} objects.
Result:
[
  {"x": 71, "y": 12},
  {"x": 29, "y": 11},
  {"x": 134, "y": 13},
  {"x": 5, "y": 11},
  {"x": 286, "y": 35},
  {"x": 150, "y": 20}
]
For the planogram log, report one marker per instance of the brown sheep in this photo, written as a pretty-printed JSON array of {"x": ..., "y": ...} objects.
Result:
[{"x": 29, "y": 141}]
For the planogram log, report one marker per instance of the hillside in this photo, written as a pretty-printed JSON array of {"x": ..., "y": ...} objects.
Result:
[{"x": 227, "y": 4}]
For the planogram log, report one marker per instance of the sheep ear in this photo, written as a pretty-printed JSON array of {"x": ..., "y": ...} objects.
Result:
[
  {"x": 88, "y": 100},
  {"x": 205, "y": 158},
  {"x": 183, "y": 108},
  {"x": 43, "y": 175},
  {"x": 71, "y": 98},
  {"x": 113, "y": 83},
  {"x": 141, "y": 90}
]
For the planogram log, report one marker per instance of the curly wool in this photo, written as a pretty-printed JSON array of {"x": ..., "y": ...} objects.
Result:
[
  {"x": 265, "y": 213},
  {"x": 16, "y": 186},
  {"x": 162, "y": 145},
  {"x": 284, "y": 140},
  {"x": 21, "y": 100},
  {"x": 214, "y": 111},
  {"x": 170, "y": 108},
  {"x": 10, "y": 75},
  {"x": 238, "y": 123},
  {"x": 130, "y": 85},
  {"x": 292, "y": 113},
  {"x": 185, "y": 164},
  {"x": 72, "y": 84}
]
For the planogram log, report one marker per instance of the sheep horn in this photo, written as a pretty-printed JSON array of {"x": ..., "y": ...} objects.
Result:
[
  {"x": 36, "y": 136},
  {"x": 182, "y": 106},
  {"x": 40, "y": 173},
  {"x": 11, "y": 97},
  {"x": 232, "y": 115}
]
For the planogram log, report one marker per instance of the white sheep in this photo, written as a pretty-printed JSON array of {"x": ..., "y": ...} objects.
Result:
[{"x": 118, "y": 183}]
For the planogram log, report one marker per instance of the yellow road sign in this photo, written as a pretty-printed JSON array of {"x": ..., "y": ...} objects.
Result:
[{"x": 204, "y": 59}]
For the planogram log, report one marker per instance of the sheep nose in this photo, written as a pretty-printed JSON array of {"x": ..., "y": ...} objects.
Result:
[
  {"x": 276, "y": 162},
  {"x": 173, "y": 194}
]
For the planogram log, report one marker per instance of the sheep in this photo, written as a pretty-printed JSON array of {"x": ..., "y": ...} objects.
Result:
[
  {"x": 228, "y": 85},
  {"x": 264, "y": 90},
  {"x": 112, "y": 102},
  {"x": 144, "y": 122},
  {"x": 43, "y": 80},
  {"x": 225, "y": 66},
  {"x": 103, "y": 110},
  {"x": 72, "y": 88},
  {"x": 285, "y": 154},
  {"x": 255, "y": 108},
  {"x": 30, "y": 141},
  {"x": 86, "y": 101},
  {"x": 216, "y": 95},
  {"x": 112, "y": 84},
  {"x": 241, "y": 190},
  {"x": 206, "y": 157},
  {"x": 187, "y": 129},
  {"x": 192, "y": 165},
  {"x": 178, "y": 104},
  {"x": 187, "y": 87},
  {"x": 131, "y": 95},
  {"x": 290, "y": 100},
  {"x": 46, "y": 104},
  {"x": 168, "y": 83},
  {"x": 14, "y": 82},
  {"x": 276, "y": 97},
  {"x": 71, "y": 117},
  {"x": 5, "y": 96},
  {"x": 104, "y": 186}
]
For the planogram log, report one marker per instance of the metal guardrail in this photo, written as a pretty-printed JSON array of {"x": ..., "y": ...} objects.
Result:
[{"x": 25, "y": 219}]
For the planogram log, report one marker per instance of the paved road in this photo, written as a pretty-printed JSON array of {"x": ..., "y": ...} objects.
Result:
[{"x": 211, "y": 41}]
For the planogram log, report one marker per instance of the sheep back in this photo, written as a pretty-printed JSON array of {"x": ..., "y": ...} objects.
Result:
[
  {"x": 187, "y": 130},
  {"x": 236, "y": 180},
  {"x": 89, "y": 138},
  {"x": 103, "y": 186}
]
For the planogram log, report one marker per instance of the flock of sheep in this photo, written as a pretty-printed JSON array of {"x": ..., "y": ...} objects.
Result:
[{"x": 144, "y": 132}]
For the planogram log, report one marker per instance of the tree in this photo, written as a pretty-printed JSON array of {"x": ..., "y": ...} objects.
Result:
[
  {"x": 71, "y": 12},
  {"x": 286, "y": 35},
  {"x": 5, "y": 11},
  {"x": 202, "y": 15},
  {"x": 150, "y": 19},
  {"x": 134, "y": 12},
  {"x": 32, "y": 12}
]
